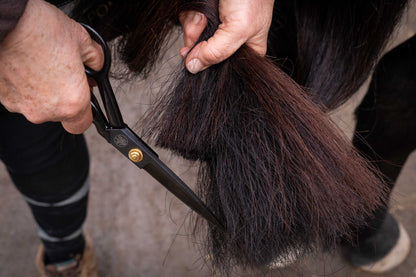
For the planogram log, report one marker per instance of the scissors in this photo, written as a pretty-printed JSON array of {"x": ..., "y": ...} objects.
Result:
[{"x": 112, "y": 127}]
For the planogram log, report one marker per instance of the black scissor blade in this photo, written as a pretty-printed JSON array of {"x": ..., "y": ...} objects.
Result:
[
  {"x": 126, "y": 141},
  {"x": 177, "y": 187}
]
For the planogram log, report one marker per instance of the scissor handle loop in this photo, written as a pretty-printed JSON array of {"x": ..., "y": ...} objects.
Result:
[{"x": 101, "y": 78}]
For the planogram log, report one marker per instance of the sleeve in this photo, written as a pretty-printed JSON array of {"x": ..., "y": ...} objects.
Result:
[{"x": 10, "y": 12}]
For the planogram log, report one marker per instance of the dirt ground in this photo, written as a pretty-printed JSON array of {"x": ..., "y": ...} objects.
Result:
[{"x": 139, "y": 229}]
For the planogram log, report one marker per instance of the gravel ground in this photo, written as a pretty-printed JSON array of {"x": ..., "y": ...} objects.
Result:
[{"x": 139, "y": 229}]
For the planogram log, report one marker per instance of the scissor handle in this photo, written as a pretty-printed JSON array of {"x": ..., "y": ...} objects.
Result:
[
  {"x": 103, "y": 73},
  {"x": 111, "y": 108}
]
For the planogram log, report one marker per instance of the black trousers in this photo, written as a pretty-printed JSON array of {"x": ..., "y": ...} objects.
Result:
[{"x": 50, "y": 168}]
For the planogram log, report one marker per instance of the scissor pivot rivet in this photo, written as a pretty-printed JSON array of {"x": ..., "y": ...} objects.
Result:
[{"x": 135, "y": 155}]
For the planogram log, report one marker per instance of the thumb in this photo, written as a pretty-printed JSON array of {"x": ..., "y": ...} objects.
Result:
[{"x": 225, "y": 41}]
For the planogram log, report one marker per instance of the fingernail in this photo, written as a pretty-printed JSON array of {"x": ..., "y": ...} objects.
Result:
[
  {"x": 194, "y": 66},
  {"x": 197, "y": 18}
]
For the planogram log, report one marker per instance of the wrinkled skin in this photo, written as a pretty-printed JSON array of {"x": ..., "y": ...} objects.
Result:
[
  {"x": 42, "y": 68},
  {"x": 242, "y": 21}
]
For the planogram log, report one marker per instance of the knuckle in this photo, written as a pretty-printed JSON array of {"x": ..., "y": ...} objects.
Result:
[
  {"x": 37, "y": 120},
  {"x": 214, "y": 55},
  {"x": 183, "y": 16},
  {"x": 262, "y": 52},
  {"x": 238, "y": 28},
  {"x": 34, "y": 118},
  {"x": 6, "y": 103},
  {"x": 243, "y": 27},
  {"x": 11, "y": 108},
  {"x": 83, "y": 36},
  {"x": 10, "y": 105},
  {"x": 73, "y": 105},
  {"x": 71, "y": 110}
]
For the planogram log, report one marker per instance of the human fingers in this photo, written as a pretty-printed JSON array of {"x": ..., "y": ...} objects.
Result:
[
  {"x": 79, "y": 116},
  {"x": 78, "y": 126},
  {"x": 92, "y": 54},
  {"x": 242, "y": 21},
  {"x": 220, "y": 46},
  {"x": 183, "y": 51},
  {"x": 193, "y": 23}
]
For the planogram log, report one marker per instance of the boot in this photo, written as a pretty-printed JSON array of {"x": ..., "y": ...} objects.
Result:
[
  {"x": 382, "y": 252},
  {"x": 81, "y": 266}
]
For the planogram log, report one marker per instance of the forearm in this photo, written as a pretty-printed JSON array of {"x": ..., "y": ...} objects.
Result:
[{"x": 10, "y": 12}]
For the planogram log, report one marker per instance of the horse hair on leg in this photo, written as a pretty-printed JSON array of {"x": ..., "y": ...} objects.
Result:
[{"x": 332, "y": 45}]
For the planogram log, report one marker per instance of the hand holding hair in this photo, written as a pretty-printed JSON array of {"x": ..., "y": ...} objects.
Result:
[
  {"x": 42, "y": 68},
  {"x": 242, "y": 22}
]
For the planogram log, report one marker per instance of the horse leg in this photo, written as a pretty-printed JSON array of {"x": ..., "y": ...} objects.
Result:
[{"x": 386, "y": 135}]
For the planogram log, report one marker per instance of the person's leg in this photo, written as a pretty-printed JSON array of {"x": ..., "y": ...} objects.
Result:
[
  {"x": 50, "y": 168},
  {"x": 386, "y": 135}
]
